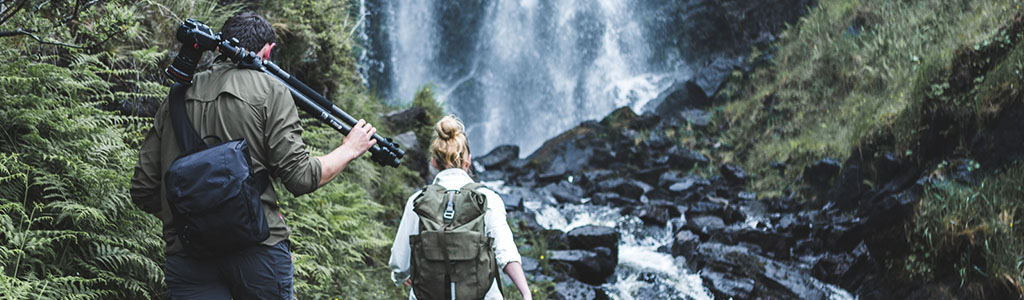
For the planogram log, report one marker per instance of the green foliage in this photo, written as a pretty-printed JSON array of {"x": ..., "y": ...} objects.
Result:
[
  {"x": 844, "y": 73},
  {"x": 969, "y": 230},
  {"x": 425, "y": 98},
  {"x": 68, "y": 225}
]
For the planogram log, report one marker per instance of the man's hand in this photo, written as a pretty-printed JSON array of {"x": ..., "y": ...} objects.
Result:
[
  {"x": 407, "y": 282},
  {"x": 358, "y": 140}
]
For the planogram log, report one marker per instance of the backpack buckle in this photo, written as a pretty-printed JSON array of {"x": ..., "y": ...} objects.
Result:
[{"x": 449, "y": 214}]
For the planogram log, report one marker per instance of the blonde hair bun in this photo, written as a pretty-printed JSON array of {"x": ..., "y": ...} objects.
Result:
[
  {"x": 448, "y": 128},
  {"x": 450, "y": 147}
]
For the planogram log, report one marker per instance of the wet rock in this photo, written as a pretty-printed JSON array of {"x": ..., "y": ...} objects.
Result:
[
  {"x": 658, "y": 142},
  {"x": 590, "y": 178},
  {"x": 573, "y": 289},
  {"x": 499, "y": 157},
  {"x": 407, "y": 119},
  {"x": 606, "y": 198},
  {"x": 657, "y": 215},
  {"x": 688, "y": 184},
  {"x": 733, "y": 174},
  {"x": 728, "y": 213},
  {"x": 704, "y": 225},
  {"x": 678, "y": 97},
  {"x": 512, "y": 201},
  {"x": 592, "y": 267},
  {"x": 727, "y": 286},
  {"x": 820, "y": 173},
  {"x": 849, "y": 187},
  {"x": 685, "y": 244},
  {"x": 565, "y": 192},
  {"x": 591, "y": 236},
  {"x": 734, "y": 272},
  {"x": 683, "y": 158},
  {"x": 670, "y": 177},
  {"x": 651, "y": 175},
  {"x": 627, "y": 188}
]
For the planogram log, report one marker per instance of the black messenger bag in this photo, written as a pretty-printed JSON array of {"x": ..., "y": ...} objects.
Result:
[{"x": 213, "y": 194}]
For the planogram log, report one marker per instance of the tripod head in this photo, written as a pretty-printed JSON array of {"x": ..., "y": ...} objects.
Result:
[{"x": 196, "y": 38}]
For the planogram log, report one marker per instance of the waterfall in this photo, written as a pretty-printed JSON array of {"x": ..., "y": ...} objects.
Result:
[{"x": 520, "y": 72}]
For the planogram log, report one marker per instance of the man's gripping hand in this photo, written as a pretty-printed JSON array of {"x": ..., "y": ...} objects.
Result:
[{"x": 358, "y": 140}]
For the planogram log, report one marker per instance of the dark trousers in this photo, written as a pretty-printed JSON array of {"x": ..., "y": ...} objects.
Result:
[{"x": 257, "y": 272}]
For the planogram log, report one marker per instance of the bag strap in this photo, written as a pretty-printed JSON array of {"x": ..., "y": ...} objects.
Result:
[
  {"x": 449, "y": 215},
  {"x": 188, "y": 138}
]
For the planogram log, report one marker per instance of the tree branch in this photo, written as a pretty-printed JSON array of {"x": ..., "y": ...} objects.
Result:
[
  {"x": 34, "y": 37},
  {"x": 10, "y": 12}
]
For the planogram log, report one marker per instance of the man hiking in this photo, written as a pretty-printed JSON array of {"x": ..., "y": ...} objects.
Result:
[{"x": 229, "y": 103}]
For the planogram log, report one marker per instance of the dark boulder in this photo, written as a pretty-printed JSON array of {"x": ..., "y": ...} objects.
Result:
[
  {"x": 670, "y": 177},
  {"x": 728, "y": 213},
  {"x": 592, "y": 267},
  {"x": 512, "y": 202},
  {"x": 733, "y": 174},
  {"x": 734, "y": 272},
  {"x": 565, "y": 192},
  {"x": 651, "y": 175},
  {"x": 820, "y": 174},
  {"x": 628, "y": 188},
  {"x": 407, "y": 119},
  {"x": 606, "y": 198},
  {"x": 705, "y": 225},
  {"x": 685, "y": 244},
  {"x": 572, "y": 289},
  {"x": 678, "y": 97},
  {"x": 684, "y": 158},
  {"x": 591, "y": 236},
  {"x": 657, "y": 214},
  {"x": 688, "y": 184},
  {"x": 499, "y": 157}
]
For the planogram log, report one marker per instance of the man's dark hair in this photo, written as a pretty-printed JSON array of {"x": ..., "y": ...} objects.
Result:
[{"x": 251, "y": 30}]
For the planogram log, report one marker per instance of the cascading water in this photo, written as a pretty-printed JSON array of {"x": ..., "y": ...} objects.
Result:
[
  {"x": 520, "y": 72},
  {"x": 643, "y": 272}
]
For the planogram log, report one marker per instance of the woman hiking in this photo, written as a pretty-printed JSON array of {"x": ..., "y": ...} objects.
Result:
[{"x": 453, "y": 237}]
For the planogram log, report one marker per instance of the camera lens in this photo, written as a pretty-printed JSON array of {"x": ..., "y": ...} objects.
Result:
[{"x": 184, "y": 65}]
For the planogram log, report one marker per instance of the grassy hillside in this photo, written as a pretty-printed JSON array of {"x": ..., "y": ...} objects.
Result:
[
  {"x": 68, "y": 229},
  {"x": 933, "y": 83}
]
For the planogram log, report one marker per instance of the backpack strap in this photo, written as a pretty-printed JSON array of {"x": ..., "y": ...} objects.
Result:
[
  {"x": 188, "y": 138},
  {"x": 472, "y": 187}
]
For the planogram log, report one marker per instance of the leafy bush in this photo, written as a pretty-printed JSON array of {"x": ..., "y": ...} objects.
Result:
[
  {"x": 68, "y": 225},
  {"x": 969, "y": 230}
]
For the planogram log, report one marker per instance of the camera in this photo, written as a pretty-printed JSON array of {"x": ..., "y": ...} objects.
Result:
[{"x": 195, "y": 38}]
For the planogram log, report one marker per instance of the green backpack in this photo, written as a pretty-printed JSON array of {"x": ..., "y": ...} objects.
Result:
[{"x": 452, "y": 253}]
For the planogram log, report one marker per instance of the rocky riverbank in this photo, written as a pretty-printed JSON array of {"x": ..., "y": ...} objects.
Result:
[{"x": 741, "y": 246}]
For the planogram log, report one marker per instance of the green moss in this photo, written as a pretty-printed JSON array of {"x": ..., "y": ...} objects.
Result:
[{"x": 833, "y": 85}]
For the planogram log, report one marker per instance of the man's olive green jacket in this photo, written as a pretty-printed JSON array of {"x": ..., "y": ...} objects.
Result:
[{"x": 228, "y": 103}]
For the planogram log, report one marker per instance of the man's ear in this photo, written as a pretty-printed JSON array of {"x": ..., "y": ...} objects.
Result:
[{"x": 265, "y": 52}]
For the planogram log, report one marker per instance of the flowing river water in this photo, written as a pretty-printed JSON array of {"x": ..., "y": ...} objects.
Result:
[{"x": 643, "y": 272}]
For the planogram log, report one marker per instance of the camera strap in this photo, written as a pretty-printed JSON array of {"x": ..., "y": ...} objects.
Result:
[{"x": 188, "y": 138}]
